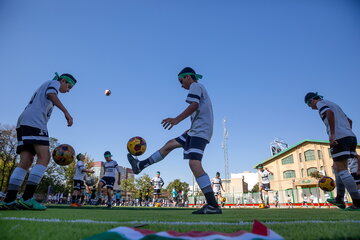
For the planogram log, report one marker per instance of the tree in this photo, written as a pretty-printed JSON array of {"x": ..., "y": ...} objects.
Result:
[
  {"x": 179, "y": 186},
  {"x": 128, "y": 186},
  {"x": 8, "y": 155},
  {"x": 143, "y": 185},
  {"x": 316, "y": 175},
  {"x": 255, "y": 188}
]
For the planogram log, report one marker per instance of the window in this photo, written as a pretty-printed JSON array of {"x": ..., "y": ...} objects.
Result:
[
  {"x": 302, "y": 172},
  {"x": 289, "y": 174},
  {"x": 300, "y": 158},
  {"x": 288, "y": 160},
  {"x": 309, "y": 155},
  {"x": 329, "y": 153},
  {"x": 319, "y": 154},
  {"x": 311, "y": 170}
]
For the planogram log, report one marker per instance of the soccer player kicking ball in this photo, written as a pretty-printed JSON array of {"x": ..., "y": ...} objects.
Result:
[
  {"x": 33, "y": 139},
  {"x": 342, "y": 146},
  {"x": 79, "y": 185},
  {"x": 265, "y": 184},
  {"x": 193, "y": 141},
  {"x": 108, "y": 180},
  {"x": 158, "y": 183}
]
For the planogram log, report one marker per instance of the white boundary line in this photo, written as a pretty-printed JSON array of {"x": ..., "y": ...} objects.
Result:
[{"x": 56, "y": 220}]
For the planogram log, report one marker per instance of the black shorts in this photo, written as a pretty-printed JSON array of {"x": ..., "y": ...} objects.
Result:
[
  {"x": 265, "y": 186},
  {"x": 28, "y": 136},
  {"x": 345, "y": 149},
  {"x": 157, "y": 191},
  {"x": 79, "y": 184},
  {"x": 193, "y": 146},
  {"x": 108, "y": 181}
]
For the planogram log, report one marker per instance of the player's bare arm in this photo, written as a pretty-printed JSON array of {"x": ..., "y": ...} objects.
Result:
[
  {"x": 269, "y": 171},
  {"x": 331, "y": 119},
  {"x": 170, "y": 122},
  {"x": 56, "y": 101}
]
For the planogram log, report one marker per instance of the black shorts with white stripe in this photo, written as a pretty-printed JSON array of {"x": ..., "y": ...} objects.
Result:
[
  {"x": 28, "y": 136},
  {"x": 79, "y": 184},
  {"x": 193, "y": 146},
  {"x": 108, "y": 181},
  {"x": 344, "y": 149}
]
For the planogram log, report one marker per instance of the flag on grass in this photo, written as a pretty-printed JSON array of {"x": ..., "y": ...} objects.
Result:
[{"x": 259, "y": 232}]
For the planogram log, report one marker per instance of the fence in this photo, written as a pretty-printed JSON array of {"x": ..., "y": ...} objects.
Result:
[{"x": 296, "y": 196}]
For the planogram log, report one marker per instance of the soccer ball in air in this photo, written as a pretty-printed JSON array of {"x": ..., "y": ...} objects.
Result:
[
  {"x": 223, "y": 199},
  {"x": 326, "y": 183},
  {"x": 107, "y": 92},
  {"x": 136, "y": 146},
  {"x": 63, "y": 154},
  {"x": 90, "y": 180}
]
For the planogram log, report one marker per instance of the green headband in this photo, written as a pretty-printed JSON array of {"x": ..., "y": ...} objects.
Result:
[
  {"x": 66, "y": 78},
  {"x": 197, "y": 76}
]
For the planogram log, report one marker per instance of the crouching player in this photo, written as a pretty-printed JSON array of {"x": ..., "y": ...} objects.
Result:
[
  {"x": 33, "y": 139},
  {"x": 79, "y": 185}
]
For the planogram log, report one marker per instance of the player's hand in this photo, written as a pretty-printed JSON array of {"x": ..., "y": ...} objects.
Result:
[
  {"x": 332, "y": 140},
  {"x": 69, "y": 119},
  {"x": 92, "y": 171},
  {"x": 169, "y": 122}
]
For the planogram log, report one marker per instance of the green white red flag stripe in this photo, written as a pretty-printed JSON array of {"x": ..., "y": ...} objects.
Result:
[{"x": 259, "y": 232}]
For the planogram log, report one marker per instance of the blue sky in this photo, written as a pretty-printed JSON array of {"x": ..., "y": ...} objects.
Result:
[{"x": 258, "y": 58}]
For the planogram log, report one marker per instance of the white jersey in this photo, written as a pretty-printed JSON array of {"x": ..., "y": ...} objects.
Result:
[
  {"x": 305, "y": 199},
  {"x": 37, "y": 113},
  {"x": 110, "y": 168},
  {"x": 79, "y": 174},
  {"x": 202, "y": 120},
  {"x": 342, "y": 125},
  {"x": 264, "y": 176},
  {"x": 157, "y": 182},
  {"x": 216, "y": 182}
]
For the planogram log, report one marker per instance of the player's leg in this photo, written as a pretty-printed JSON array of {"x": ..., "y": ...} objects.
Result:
[
  {"x": 34, "y": 179},
  {"x": 101, "y": 184},
  {"x": 16, "y": 180},
  {"x": 137, "y": 166},
  {"x": 261, "y": 192},
  {"x": 204, "y": 183},
  {"x": 110, "y": 195},
  {"x": 266, "y": 198}
]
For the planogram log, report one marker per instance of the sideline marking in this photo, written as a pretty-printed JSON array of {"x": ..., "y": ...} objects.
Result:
[{"x": 56, "y": 220}]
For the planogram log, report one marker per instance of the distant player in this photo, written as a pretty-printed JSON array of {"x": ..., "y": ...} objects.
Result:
[
  {"x": 108, "y": 180},
  {"x": 79, "y": 176},
  {"x": 157, "y": 183},
  {"x": 327, "y": 196},
  {"x": 276, "y": 199},
  {"x": 193, "y": 141},
  {"x": 33, "y": 139},
  {"x": 216, "y": 185},
  {"x": 312, "y": 199},
  {"x": 264, "y": 184},
  {"x": 289, "y": 202},
  {"x": 343, "y": 144},
  {"x": 305, "y": 201}
]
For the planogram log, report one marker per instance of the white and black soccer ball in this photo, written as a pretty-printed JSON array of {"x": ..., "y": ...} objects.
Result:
[
  {"x": 107, "y": 92},
  {"x": 90, "y": 181}
]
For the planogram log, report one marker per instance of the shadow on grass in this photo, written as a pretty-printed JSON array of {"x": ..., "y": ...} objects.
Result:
[{"x": 120, "y": 208}]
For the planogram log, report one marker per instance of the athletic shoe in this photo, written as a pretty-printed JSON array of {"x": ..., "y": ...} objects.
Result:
[
  {"x": 75, "y": 205},
  {"x": 134, "y": 164},
  {"x": 208, "y": 209},
  {"x": 9, "y": 206},
  {"x": 352, "y": 208},
  {"x": 336, "y": 203},
  {"x": 31, "y": 204},
  {"x": 109, "y": 206}
]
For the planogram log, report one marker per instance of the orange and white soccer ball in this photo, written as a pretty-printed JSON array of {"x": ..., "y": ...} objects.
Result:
[
  {"x": 63, "y": 154},
  {"x": 136, "y": 146},
  {"x": 107, "y": 92}
]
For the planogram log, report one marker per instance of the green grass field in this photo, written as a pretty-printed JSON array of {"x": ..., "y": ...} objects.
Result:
[{"x": 345, "y": 225}]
